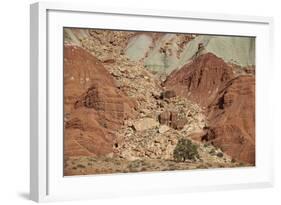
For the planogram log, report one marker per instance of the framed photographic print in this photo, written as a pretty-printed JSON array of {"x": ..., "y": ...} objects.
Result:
[{"x": 127, "y": 102}]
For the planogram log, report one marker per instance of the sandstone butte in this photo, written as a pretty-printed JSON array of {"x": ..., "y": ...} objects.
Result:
[
  {"x": 229, "y": 103},
  {"x": 93, "y": 105}
]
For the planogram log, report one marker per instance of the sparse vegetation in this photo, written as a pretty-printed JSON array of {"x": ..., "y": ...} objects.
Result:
[
  {"x": 185, "y": 150},
  {"x": 212, "y": 152}
]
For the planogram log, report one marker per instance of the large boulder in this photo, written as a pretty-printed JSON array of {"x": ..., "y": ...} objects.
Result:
[
  {"x": 172, "y": 119},
  {"x": 145, "y": 124},
  {"x": 168, "y": 94},
  {"x": 163, "y": 129},
  {"x": 165, "y": 118},
  {"x": 178, "y": 123}
]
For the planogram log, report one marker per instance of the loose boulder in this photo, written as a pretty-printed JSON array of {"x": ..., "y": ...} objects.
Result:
[
  {"x": 172, "y": 119},
  {"x": 165, "y": 118},
  {"x": 163, "y": 129},
  {"x": 168, "y": 94},
  {"x": 145, "y": 124}
]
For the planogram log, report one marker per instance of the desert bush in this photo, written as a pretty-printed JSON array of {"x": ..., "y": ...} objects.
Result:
[
  {"x": 185, "y": 150},
  {"x": 212, "y": 152}
]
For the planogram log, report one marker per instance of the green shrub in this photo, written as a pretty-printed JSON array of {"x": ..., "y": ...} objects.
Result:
[{"x": 184, "y": 150}]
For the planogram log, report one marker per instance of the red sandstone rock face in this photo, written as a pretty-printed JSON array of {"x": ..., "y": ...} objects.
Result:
[
  {"x": 201, "y": 79},
  {"x": 94, "y": 107},
  {"x": 209, "y": 81},
  {"x": 232, "y": 119}
]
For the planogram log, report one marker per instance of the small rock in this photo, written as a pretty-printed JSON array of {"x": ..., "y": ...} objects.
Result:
[
  {"x": 167, "y": 101},
  {"x": 129, "y": 123},
  {"x": 220, "y": 154},
  {"x": 108, "y": 61},
  {"x": 163, "y": 129},
  {"x": 144, "y": 111},
  {"x": 155, "y": 95},
  {"x": 161, "y": 104},
  {"x": 168, "y": 94}
]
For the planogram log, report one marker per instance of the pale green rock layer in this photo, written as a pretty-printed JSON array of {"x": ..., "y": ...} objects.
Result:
[
  {"x": 142, "y": 47},
  {"x": 237, "y": 50}
]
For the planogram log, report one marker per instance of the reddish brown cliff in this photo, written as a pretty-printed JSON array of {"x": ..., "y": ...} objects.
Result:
[
  {"x": 230, "y": 103},
  {"x": 232, "y": 119},
  {"x": 93, "y": 106},
  {"x": 201, "y": 79}
]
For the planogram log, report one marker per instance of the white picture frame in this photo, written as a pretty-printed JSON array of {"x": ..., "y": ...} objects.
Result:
[{"x": 47, "y": 182}]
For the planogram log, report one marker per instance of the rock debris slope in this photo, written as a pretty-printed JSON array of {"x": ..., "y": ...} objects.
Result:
[{"x": 130, "y": 97}]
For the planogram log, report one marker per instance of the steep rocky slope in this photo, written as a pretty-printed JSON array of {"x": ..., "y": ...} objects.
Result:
[
  {"x": 229, "y": 103},
  {"x": 93, "y": 105},
  {"x": 232, "y": 119},
  {"x": 201, "y": 79}
]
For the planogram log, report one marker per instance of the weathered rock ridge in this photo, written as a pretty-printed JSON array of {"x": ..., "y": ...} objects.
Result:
[
  {"x": 229, "y": 102},
  {"x": 201, "y": 79},
  {"x": 94, "y": 106},
  {"x": 232, "y": 119}
]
